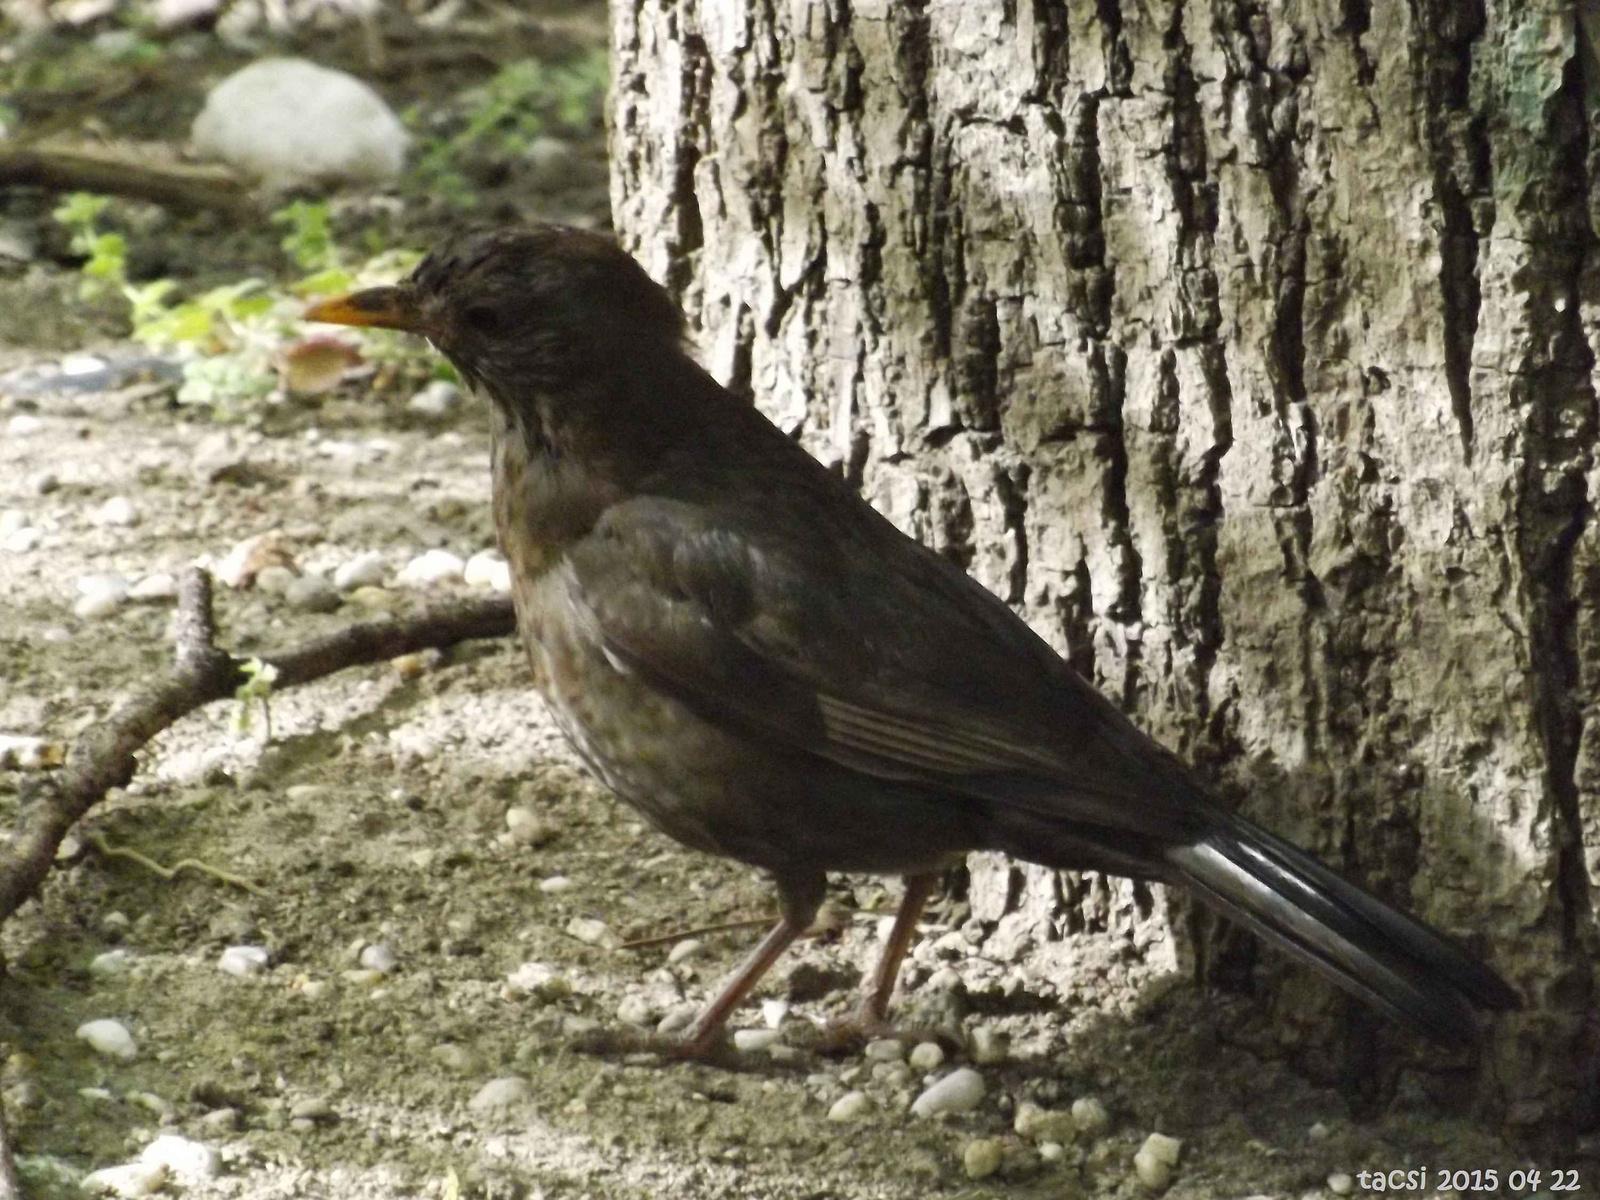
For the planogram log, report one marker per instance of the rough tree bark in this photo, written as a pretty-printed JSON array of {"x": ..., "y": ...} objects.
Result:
[{"x": 1249, "y": 352}]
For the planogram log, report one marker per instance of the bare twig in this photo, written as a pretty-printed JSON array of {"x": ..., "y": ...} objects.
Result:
[
  {"x": 103, "y": 757},
  {"x": 107, "y": 850},
  {"x": 174, "y": 185}
]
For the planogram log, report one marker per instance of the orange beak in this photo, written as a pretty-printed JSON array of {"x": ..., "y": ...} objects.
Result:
[{"x": 379, "y": 307}]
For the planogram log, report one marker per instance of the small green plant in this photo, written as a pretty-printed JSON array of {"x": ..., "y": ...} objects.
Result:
[
  {"x": 309, "y": 241},
  {"x": 259, "y": 678},
  {"x": 105, "y": 269}
]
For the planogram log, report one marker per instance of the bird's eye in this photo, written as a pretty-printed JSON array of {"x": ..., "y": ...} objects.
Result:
[{"x": 480, "y": 318}]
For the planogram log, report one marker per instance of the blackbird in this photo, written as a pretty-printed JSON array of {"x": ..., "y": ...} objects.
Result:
[{"x": 746, "y": 652}]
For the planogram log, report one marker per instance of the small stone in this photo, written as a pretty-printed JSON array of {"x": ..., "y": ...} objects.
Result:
[
  {"x": 684, "y": 951},
  {"x": 750, "y": 1041},
  {"x": 982, "y": 1158},
  {"x": 372, "y": 599},
  {"x": 43, "y": 483},
  {"x": 1156, "y": 1160},
  {"x": 1340, "y": 1184},
  {"x": 528, "y": 828},
  {"x": 20, "y": 541},
  {"x": 886, "y": 1050},
  {"x": 588, "y": 930},
  {"x": 109, "y": 1037},
  {"x": 774, "y": 1012},
  {"x": 275, "y": 580},
  {"x": 851, "y": 1106},
  {"x": 187, "y": 1160},
  {"x": 555, "y": 885},
  {"x": 439, "y": 399},
  {"x": 960, "y": 1091},
  {"x": 100, "y": 595},
  {"x": 539, "y": 981},
  {"x": 1052, "y": 1152},
  {"x": 456, "y": 1058},
  {"x": 111, "y": 962},
  {"x": 487, "y": 569},
  {"x": 240, "y": 566},
  {"x": 24, "y": 425},
  {"x": 244, "y": 961},
  {"x": 989, "y": 1046},
  {"x": 677, "y": 1019},
  {"x": 160, "y": 586},
  {"x": 431, "y": 569},
  {"x": 1090, "y": 1116},
  {"x": 892, "y": 1075},
  {"x": 636, "y": 1010},
  {"x": 1043, "y": 1124},
  {"x": 377, "y": 957},
  {"x": 220, "y": 1120},
  {"x": 945, "y": 979},
  {"x": 364, "y": 570},
  {"x": 128, "y": 1179},
  {"x": 783, "y": 1054},
  {"x": 926, "y": 1057},
  {"x": 117, "y": 512},
  {"x": 157, "y": 1106},
  {"x": 311, "y": 593},
  {"x": 313, "y": 1108}
]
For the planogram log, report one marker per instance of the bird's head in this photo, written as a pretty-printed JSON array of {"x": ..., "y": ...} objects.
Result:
[{"x": 522, "y": 309}]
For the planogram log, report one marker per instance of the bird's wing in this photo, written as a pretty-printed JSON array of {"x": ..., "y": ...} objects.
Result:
[{"x": 856, "y": 644}]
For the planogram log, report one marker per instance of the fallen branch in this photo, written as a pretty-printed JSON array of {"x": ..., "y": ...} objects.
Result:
[
  {"x": 175, "y": 185},
  {"x": 103, "y": 757}
]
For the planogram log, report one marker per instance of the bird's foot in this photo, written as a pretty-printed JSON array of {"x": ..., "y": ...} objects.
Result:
[{"x": 615, "y": 1042}]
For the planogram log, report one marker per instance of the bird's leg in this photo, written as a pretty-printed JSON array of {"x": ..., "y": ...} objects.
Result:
[{"x": 871, "y": 1016}]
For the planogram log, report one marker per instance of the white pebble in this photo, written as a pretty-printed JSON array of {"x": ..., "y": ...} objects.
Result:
[
  {"x": 588, "y": 930},
  {"x": 555, "y": 885},
  {"x": 433, "y": 567},
  {"x": 244, "y": 961},
  {"x": 377, "y": 957},
  {"x": 438, "y": 399},
  {"x": 982, "y": 1158},
  {"x": 82, "y": 364},
  {"x": 1340, "y": 1184},
  {"x": 486, "y": 569},
  {"x": 989, "y": 1046},
  {"x": 24, "y": 425},
  {"x": 1089, "y": 1115},
  {"x": 500, "y": 1093},
  {"x": 927, "y": 1056},
  {"x": 188, "y": 1160},
  {"x": 109, "y": 1037},
  {"x": 117, "y": 511},
  {"x": 748, "y": 1041},
  {"x": 100, "y": 595},
  {"x": 128, "y": 1179},
  {"x": 1318, "y": 1131},
  {"x": 960, "y": 1091},
  {"x": 1052, "y": 1152},
  {"x": 850, "y": 1107},
  {"x": 528, "y": 828},
  {"x": 364, "y": 570},
  {"x": 160, "y": 586},
  {"x": 11, "y": 520},
  {"x": 684, "y": 951},
  {"x": 773, "y": 1012},
  {"x": 20, "y": 541},
  {"x": 111, "y": 962},
  {"x": 1154, "y": 1162},
  {"x": 885, "y": 1050},
  {"x": 538, "y": 980},
  {"x": 636, "y": 1010},
  {"x": 1042, "y": 1124}
]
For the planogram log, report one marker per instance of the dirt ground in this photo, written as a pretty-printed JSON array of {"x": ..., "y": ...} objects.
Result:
[{"x": 415, "y": 835}]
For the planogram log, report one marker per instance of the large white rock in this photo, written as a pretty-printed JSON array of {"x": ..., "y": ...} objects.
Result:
[{"x": 289, "y": 122}]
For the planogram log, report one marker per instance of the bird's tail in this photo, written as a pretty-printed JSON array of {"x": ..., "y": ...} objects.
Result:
[{"x": 1372, "y": 950}]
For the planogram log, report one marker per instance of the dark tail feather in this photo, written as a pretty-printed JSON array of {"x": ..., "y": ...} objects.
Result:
[{"x": 1373, "y": 951}]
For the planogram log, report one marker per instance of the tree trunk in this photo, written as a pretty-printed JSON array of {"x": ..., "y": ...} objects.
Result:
[{"x": 1250, "y": 357}]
